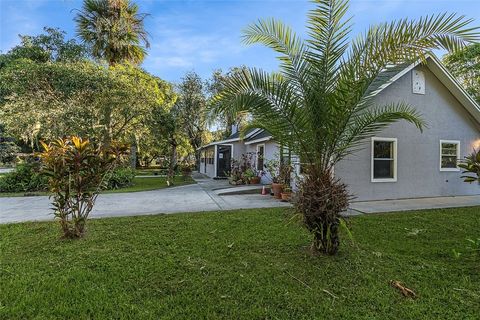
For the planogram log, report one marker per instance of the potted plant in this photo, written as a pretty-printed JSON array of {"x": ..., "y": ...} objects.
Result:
[
  {"x": 280, "y": 174},
  {"x": 286, "y": 193},
  {"x": 255, "y": 180},
  {"x": 273, "y": 168},
  {"x": 248, "y": 175}
]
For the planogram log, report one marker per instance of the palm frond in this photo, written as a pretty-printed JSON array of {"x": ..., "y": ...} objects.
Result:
[
  {"x": 114, "y": 30},
  {"x": 371, "y": 121},
  {"x": 283, "y": 40}
]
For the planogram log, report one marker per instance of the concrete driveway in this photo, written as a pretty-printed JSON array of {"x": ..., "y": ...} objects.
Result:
[
  {"x": 190, "y": 198},
  {"x": 206, "y": 195}
]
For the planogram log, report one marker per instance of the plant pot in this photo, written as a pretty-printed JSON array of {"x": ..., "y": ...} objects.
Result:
[
  {"x": 255, "y": 180},
  {"x": 277, "y": 190},
  {"x": 286, "y": 196}
]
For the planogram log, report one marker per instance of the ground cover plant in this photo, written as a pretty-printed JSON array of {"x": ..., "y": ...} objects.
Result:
[{"x": 249, "y": 264}]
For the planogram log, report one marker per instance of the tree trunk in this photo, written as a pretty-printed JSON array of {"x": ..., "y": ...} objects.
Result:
[
  {"x": 172, "y": 165},
  {"x": 133, "y": 153}
]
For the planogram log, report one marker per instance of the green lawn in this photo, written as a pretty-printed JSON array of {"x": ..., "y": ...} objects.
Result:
[
  {"x": 251, "y": 264},
  {"x": 153, "y": 183},
  {"x": 139, "y": 184},
  {"x": 151, "y": 172}
]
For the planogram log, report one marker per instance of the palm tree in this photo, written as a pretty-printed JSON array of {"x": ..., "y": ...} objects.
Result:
[
  {"x": 114, "y": 29},
  {"x": 320, "y": 104}
]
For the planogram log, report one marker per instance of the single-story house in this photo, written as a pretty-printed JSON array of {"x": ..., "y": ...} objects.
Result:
[{"x": 399, "y": 162}]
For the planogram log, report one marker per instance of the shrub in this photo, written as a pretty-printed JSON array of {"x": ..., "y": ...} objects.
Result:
[
  {"x": 471, "y": 166},
  {"x": 120, "y": 178},
  {"x": 77, "y": 170},
  {"x": 8, "y": 151},
  {"x": 25, "y": 178}
]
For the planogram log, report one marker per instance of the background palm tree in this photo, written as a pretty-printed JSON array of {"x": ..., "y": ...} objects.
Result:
[
  {"x": 320, "y": 104},
  {"x": 115, "y": 32},
  {"x": 114, "y": 29}
]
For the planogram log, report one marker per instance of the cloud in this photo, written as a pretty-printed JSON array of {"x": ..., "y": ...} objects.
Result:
[{"x": 186, "y": 48}]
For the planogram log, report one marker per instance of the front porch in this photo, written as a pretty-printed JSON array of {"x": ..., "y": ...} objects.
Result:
[{"x": 215, "y": 160}]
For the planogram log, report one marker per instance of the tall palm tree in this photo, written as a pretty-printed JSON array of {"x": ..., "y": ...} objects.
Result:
[
  {"x": 320, "y": 104},
  {"x": 114, "y": 29}
]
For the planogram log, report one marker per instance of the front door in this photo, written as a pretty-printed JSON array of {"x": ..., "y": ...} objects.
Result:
[{"x": 224, "y": 156}]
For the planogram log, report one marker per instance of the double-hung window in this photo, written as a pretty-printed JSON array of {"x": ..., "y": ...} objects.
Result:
[
  {"x": 449, "y": 155},
  {"x": 384, "y": 159}
]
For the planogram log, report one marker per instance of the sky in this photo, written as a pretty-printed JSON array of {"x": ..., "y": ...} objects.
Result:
[{"x": 204, "y": 35}]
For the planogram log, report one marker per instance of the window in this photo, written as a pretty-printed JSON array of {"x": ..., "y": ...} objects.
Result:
[
  {"x": 202, "y": 157},
  {"x": 449, "y": 155},
  {"x": 210, "y": 156},
  {"x": 260, "y": 156},
  {"x": 384, "y": 159}
]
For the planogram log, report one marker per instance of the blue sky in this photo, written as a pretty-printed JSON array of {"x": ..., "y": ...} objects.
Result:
[{"x": 204, "y": 35}]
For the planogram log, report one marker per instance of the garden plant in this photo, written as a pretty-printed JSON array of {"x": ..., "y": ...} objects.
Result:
[{"x": 77, "y": 169}]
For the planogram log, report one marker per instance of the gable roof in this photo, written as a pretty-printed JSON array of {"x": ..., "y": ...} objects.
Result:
[
  {"x": 446, "y": 78},
  {"x": 262, "y": 135}
]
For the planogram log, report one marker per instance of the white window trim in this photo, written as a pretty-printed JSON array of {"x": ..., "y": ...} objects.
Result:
[
  {"x": 395, "y": 159},
  {"x": 457, "y": 142},
  {"x": 257, "y": 148}
]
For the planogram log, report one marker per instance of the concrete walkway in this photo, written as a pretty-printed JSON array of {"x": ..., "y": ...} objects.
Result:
[
  {"x": 5, "y": 170},
  {"x": 415, "y": 204},
  {"x": 189, "y": 198}
]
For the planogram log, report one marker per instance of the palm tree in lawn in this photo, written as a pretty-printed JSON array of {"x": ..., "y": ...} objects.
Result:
[
  {"x": 320, "y": 104},
  {"x": 114, "y": 29}
]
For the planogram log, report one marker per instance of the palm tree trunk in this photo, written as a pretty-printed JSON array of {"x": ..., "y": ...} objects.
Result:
[
  {"x": 321, "y": 199},
  {"x": 326, "y": 239}
]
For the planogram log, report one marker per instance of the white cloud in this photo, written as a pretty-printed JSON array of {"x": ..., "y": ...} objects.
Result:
[{"x": 185, "y": 49}]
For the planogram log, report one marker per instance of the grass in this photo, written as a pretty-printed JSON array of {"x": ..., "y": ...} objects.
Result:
[
  {"x": 151, "y": 171},
  {"x": 139, "y": 184},
  {"x": 153, "y": 183},
  {"x": 250, "y": 264}
]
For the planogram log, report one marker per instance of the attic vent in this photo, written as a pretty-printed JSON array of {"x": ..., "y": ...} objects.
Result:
[{"x": 418, "y": 82}]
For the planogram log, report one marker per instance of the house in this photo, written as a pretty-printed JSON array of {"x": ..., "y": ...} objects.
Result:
[
  {"x": 400, "y": 162},
  {"x": 216, "y": 157}
]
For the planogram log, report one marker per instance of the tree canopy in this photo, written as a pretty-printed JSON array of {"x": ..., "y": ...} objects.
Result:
[
  {"x": 465, "y": 65},
  {"x": 225, "y": 119},
  {"x": 50, "y": 100},
  {"x": 48, "y": 46}
]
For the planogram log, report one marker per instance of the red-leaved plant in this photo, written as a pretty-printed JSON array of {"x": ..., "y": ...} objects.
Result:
[{"x": 77, "y": 170}]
